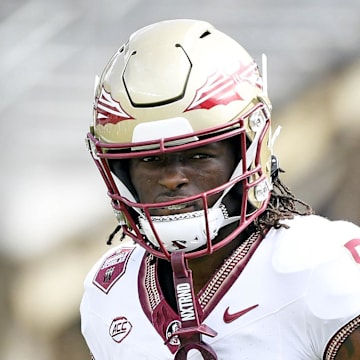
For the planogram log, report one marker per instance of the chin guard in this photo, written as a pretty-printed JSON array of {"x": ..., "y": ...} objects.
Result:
[{"x": 191, "y": 330}]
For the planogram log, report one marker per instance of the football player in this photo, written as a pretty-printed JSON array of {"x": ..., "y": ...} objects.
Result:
[{"x": 223, "y": 261}]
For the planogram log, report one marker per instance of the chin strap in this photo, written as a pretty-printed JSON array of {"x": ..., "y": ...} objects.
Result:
[{"x": 191, "y": 330}]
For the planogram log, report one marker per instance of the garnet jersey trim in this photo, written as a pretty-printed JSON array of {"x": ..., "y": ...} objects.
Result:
[
  {"x": 156, "y": 307},
  {"x": 339, "y": 338}
]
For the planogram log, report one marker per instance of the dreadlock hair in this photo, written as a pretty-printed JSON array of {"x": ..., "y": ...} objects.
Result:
[
  {"x": 112, "y": 235},
  {"x": 282, "y": 205}
]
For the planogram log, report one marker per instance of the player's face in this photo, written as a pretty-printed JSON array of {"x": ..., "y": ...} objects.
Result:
[{"x": 178, "y": 175}]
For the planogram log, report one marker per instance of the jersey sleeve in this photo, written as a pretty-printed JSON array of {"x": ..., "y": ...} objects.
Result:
[
  {"x": 333, "y": 293},
  {"x": 334, "y": 286},
  {"x": 326, "y": 256},
  {"x": 104, "y": 276}
]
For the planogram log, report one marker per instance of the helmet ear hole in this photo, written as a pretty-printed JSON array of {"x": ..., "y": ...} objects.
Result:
[{"x": 120, "y": 168}]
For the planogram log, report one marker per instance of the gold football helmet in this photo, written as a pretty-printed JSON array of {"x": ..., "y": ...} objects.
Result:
[{"x": 177, "y": 85}]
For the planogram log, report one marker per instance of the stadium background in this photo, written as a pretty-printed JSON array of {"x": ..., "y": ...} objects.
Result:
[{"x": 55, "y": 216}]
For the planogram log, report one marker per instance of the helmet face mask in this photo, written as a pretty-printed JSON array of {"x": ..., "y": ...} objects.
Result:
[{"x": 218, "y": 100}]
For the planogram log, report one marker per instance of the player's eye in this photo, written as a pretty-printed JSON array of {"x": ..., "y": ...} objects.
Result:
[
  {"x": 200, "y": 156},
  {"x": 150, "y": 159}
]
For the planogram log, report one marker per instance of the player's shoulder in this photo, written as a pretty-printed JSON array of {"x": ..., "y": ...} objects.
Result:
[
  {"x": 316, "y": 225},
  {"x": 312, "y": 240},
  {"x": 329, "y": 253},
  {"x": 113, "y": 265}
]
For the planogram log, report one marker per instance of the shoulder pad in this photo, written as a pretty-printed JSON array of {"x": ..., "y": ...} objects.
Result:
[
  {"x": 302, "y": 245},
  {"x": 329, "y": 253},
  {"x": 311, "y": 241}
]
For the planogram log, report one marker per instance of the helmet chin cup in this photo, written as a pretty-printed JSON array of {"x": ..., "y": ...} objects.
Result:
[{"x": 186, "y": 232}]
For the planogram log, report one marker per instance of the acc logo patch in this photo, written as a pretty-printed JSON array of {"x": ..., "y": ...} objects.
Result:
[
  {"x": 112, "y": 269},
  {"x": 120, "y": 328}
]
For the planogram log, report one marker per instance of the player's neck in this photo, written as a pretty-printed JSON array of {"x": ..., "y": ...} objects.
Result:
[{"x": 205, "y": 266}]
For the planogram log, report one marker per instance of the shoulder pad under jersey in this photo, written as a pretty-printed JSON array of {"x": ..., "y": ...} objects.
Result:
[{"x": 329, "y": 251}]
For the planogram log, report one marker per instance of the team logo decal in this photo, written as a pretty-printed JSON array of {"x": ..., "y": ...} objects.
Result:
[
  {"x": 109, "y": 110},
  {"x": 171, "y": 328},
  {"x": 120, "y": 328},
  {"x": 221, "y": 88},
  {"x": 112, "y": 269}
]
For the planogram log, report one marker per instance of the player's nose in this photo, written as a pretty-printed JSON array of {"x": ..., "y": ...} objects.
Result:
[{"x": 173, "y": 177}]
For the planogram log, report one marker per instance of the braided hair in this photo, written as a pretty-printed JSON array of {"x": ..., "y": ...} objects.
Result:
[{"x": 282, "y": 205}]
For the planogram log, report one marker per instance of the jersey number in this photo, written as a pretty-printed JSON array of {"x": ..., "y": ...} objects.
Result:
[{"x": 354, "y": 247}]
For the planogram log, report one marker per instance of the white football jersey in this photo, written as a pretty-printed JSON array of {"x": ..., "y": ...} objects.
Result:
[{"x": 283, "y": 297}]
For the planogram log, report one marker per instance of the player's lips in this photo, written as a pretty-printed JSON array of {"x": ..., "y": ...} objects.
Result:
[
  {"x": 176, "y": 207},
  {"x": 172, "y": 209}
]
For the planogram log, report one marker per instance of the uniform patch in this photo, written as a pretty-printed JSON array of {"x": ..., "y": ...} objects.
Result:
[
  {"x": 120, "y": 328},
  {"x": 171, "y": 328},
  {"x": 112, "y": 269}
]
